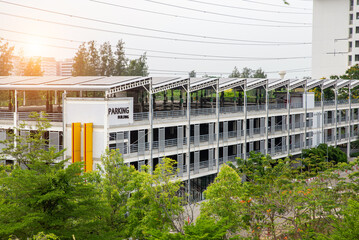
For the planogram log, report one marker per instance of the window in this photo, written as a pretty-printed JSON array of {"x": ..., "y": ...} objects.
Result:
[
  {"x": 357, "y": 15},
  {"x": 350, "y": 58},
  {"x": 356, "y": 43},
  {"x": 357, "y": 30},
  {"x": 350, "y": 46},
  {"x": 357, "y": 58}
]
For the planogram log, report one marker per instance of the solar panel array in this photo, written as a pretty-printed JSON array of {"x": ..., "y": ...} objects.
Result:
[{"x": 101, "y": 83}]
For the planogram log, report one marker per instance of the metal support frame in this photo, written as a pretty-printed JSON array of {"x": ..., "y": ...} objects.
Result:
[
  {"x": 150, "y": 130},
  {"x": 64, "y": 121},
  {"x": 217, "y": 125},
  {"x": 350, "y": 118},
  {"x": 336, "y": 114},
  {"x": 322, "y": 105},
  {"x": 16, "y": 121},
  {"x": 266, "y": 121},
  {"x": 305, "y": 113},
  {"x": 288, "y": 116},
  {"x": 188, "y": 135},
  {"x": 245, "y": 122}
]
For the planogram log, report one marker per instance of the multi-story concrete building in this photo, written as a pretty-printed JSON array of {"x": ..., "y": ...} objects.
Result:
[
  {"x": 200, "y": 122},
  {"x": 64, "y": 68},
  {"x": 335, "y": 37},
  {"x": 48, "y": 65}
]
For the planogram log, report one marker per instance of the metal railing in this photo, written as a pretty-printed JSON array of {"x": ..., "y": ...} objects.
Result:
[{"x": 6, "y": 115}]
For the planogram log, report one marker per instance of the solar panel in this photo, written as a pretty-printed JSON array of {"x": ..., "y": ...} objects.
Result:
[
  {"x": 40, "y": 80},
  {"x": 74, "y": 80},
  {"x": 106, "y": 81},
  {"x": 13, "y": 79}
]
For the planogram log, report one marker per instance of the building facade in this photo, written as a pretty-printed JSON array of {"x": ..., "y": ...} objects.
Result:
[
  {"x": 199, "y": 122},
  {"x": 64, "y": 68},
  {"x": 335, "y": 44}
]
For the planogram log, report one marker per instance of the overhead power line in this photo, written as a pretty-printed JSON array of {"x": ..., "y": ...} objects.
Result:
[
  {"x": 137, "y": 27},
  {"x": 274, "y": 5},
  {"x": 161, "y": 71},
  {"x": 243, "y": 8},
  {"x": 150, "y": 36},
  {"x": 200, "y": 19},
  {"x": 223, "y": 14},
  {"x": 207, "y": 56},
  {"x": 168, "y": 57}
]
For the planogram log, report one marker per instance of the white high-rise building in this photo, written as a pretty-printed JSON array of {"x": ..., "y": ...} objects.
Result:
[
  {"x": 335, "y": 37},
  {"x": 64, "y": 68}
]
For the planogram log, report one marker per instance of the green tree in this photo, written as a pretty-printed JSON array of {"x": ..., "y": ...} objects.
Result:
[
  {"x": 235, "y": 73},
  {"x": 247, "y": 73},
  {"x": 347, "y": 227},
  {"x": 6, "y": 55},
  {"x": 33, "y": 67},
  {"x": 324, "y": 153},
  {"x": 107, "y": 60},
  {"x": 192, "y": 74},
  {"x": 223, "y": 202},
  {"x": 116, "y": 185},
  {"x": 121, "y": 60},
  {"x": 259, "y": 73},
  {"x": 138, "y": 67},
  {"x": 157, "y": 206},
  {"x": 93, "y": 61},
  {"x": 46, "y": 196},
  {"x": 80, "y": 61}
]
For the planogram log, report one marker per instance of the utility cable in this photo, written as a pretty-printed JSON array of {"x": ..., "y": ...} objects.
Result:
[
  {"x": 223, "y": 14},
  {"x": 243, "y": 8},
  {"x": 178, "y": 58},
  {"x": 141, "y": 28},
  {"x": 149, "y": 36}
]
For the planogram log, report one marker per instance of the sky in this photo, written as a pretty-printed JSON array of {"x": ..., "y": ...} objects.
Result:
[{"x": 208, "y": 36}]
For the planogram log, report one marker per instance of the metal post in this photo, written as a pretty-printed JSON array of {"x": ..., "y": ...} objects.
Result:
[
  {"x": 245, "y": 122},
  {"x": 55, "y": 97},
  {"x": 288, "y": 116},
  {"x": 150, "y": 131},
  {"x": 23, "y": 100},
  {"x": 322, "y": 103},
  {"x": 64, "y": 122},
  {"x": 336, "y": 115},
  {"x": 305, "y": 114},
  {"x": 15, "y": 117},
  {"x": 267, "y": 117},
  {"x": 188, "y": 133},
  {"x": 217, "y": 125},
  {"x": 350, "y": 117}
]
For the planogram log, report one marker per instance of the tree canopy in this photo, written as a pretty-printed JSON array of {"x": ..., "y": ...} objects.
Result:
[{"x": 90, "y": 60}]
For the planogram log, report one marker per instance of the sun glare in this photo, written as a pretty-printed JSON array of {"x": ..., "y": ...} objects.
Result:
[{"x": 33, "y": 48}]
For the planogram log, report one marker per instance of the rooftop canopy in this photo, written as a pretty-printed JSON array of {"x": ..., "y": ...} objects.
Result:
[{"x": 115, "y": 84}]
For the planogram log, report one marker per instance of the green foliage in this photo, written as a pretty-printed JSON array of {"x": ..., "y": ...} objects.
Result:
[
  {"x": 6, "y": 55},
  {"x": 156, "y": 206},
  {"x": 29, "y": 148},
  {"x": 116, "y": 185},
  {"x": 192, "y": 74},
  {"x": 247, "y": 73},
  {"x": 121, "y": 61},
  {"x": 347, "y": 227},
  {"x": 90, "y": 61},
  {"x": 33, "y": 67},
  {"x": 323, "y": 153}
]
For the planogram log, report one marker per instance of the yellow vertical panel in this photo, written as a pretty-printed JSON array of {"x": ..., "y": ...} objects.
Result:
[
  {"x": 88, "y": 146},
  {"x": 76, "y": 142}
]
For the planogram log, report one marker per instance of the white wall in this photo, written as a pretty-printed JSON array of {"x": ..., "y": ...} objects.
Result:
[{"x": 330, "y": 21}]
